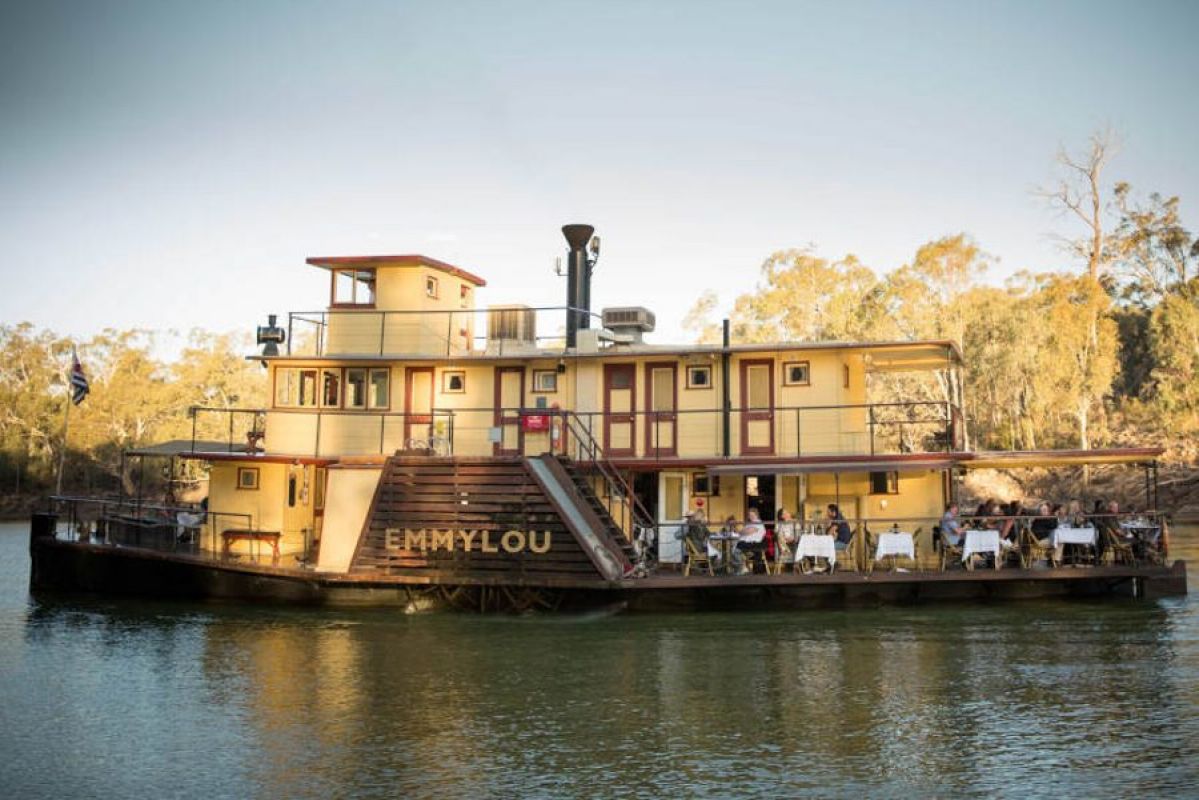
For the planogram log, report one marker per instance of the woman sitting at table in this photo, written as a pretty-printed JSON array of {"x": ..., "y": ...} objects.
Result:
[
  {"x": 838, "y": 527},
  {"x": 753, "y": 539},
  {"x": 1044, "y": 523},
  {"x": 1007, "y": 522},
  {"x": 785, "y": 537}
]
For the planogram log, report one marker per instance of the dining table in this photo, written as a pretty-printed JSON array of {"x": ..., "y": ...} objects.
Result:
[
  {"x": 725, "y": 543},
  {"x": 895, "y": 545},
  {"x": 817, "y": 545},
  {"x": 980, "y": 542}
]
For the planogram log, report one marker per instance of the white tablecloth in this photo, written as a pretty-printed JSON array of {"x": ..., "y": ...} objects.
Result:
[
  {"x": 895, "y": 543},
  {"x": 1062, "y": 535},
  {"x": 978, "y": 542},
  {"x": 816, "y": 546}
]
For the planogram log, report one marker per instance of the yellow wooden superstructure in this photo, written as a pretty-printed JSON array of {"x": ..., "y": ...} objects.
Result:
[{"x": 403, "y": 358}]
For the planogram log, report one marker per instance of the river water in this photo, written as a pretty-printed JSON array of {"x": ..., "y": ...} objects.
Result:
[{"x": 126, "y": 699}]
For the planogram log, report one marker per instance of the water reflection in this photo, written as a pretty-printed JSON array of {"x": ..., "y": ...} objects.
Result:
[{"x": 122, "y": 699}]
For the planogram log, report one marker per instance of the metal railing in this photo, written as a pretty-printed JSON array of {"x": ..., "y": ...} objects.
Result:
[
  {"x": 186, "y": 530},
  {"x": 367, "y": 331}
]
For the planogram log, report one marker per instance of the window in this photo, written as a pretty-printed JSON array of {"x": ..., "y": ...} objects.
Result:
[
  {"x": 545, "y": 381},
  {"x": 464, "y": 296},
  {"x": 307, "y": 394},
  {"x": 330, "y": 388},
  {"x": 353, "y": 287},
  {"x": 453, "y": 382},
  {"x": 285, "y": 387},
  {"x": 318, "y": 501},
  {"x": 430, "y": 286},
  {"x": 247, "y": 478},
  {"x": 758, "y": 377},
  {"x": 355, "y": 388},
  {"x": 884, "y": 483},
  {"x": 662, "y": 387},
  {"x": 701, "y": 484},
  {"x": 379, "y": 396},
  {"x": 845, "y": 375},
  {"x": 699, "y": 377},
  {"x": 797, "y": 373}
]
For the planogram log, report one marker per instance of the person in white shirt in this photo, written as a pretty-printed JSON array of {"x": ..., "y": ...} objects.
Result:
[{"x": 753, "y": 538}]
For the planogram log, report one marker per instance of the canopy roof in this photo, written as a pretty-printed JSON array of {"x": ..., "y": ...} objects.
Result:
[
  {"x": 412, "y": 260},
  {"x": 176, "y": 447},
  {"x": 1061, "y": 458}
]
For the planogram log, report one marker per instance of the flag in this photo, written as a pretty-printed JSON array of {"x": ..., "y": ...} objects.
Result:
[{"x": 79, "y": 386}]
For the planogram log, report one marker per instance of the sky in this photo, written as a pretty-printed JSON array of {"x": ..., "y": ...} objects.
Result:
[{"x": 170, "y": 165}]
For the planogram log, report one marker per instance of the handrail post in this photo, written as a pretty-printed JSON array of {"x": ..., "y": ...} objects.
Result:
[{"x": 870, "y": 410}]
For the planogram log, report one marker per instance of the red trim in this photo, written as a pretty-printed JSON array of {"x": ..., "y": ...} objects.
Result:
[
  {"x": 411, "y": 419},
  {"x": 413, "y": 260},
  {"x": 503, "y": 417},
  {"x": 630, "y": 418},
  {"x": 652, "y": 417},
  {"x": 766, "y": 414}
]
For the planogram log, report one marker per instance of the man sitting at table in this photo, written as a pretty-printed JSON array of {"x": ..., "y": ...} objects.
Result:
[
  {"x": 697, "y": 534},
  {"x": 951, "y": 529},
  {"x": 838, "y": 527},
  {"x": 753, "y": 539}
]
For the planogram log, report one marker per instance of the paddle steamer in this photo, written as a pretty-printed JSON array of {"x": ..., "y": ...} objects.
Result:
[{"x": 419, "y": 450}]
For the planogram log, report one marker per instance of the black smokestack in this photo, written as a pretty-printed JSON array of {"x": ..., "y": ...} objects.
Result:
[{"x": 578, "y": 281}]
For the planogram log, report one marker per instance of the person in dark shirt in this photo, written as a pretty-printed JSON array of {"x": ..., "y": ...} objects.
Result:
[{"x": 838, "y": 527}]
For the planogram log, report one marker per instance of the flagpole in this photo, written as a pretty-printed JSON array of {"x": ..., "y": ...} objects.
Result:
[{"x": 66, "y": 426}]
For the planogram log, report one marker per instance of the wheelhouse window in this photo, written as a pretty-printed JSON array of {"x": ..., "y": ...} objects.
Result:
[
  {"x": 380, "y": 389},
  {"x": 884, "y": 483},
  {"x": 355, "y": 388},
  {"x": 453, "y": 382},
  {"x": 797, "y": 373},
  {"x": 699, "y": 377},
  {"x": 295, "y": 387},
  {"x": 430, "y": 286},
  {"x": 330, "y": 388},
  {"x": 464, "y": 296},
  {"x": 354, "y": 287},
  {"x": 545, "y": 381}
]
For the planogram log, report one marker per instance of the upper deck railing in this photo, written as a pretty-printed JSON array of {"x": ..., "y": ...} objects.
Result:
[
  {"x": 784, "y": 431},
  {"x": 493, "y": 331}
]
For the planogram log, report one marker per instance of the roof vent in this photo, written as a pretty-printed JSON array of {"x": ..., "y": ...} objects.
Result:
[
  {"x": 629, "y": 321},
  {"x": 511, "y": 323}
]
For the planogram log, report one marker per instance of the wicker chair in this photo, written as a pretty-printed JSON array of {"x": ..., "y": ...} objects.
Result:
[
  {"x": 1032, "y": 551},
  {"x": 697, "y": 558},
  {"x": 1118, "y": 550},
  {"x": 950, "y": 553}
]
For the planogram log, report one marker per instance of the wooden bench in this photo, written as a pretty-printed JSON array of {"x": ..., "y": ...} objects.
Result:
[{"x": 231, "y": 535}]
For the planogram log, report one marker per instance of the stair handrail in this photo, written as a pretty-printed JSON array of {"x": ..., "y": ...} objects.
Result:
[{"x": 573, "y": 425}]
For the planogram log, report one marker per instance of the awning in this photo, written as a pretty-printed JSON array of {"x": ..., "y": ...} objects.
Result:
[
  {"x": 1061, "y": 458},
  {"x": 839, "y": 465},
  {"x": 178, "y": 447}
]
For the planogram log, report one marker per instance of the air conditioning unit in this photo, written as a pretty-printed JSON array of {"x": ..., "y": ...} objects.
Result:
[
  {"x": 513, "y": 323},
  {"x": 628, "y": 321}
]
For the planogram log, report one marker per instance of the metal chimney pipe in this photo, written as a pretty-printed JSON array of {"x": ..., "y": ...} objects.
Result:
[{"x": 578, "y": 281}]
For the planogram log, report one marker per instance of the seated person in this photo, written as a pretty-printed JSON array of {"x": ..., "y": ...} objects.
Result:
[
  {"x": 696, "y": 532},
  {"x": 838, "y": 527},
  {"x": 1007, "y": 522},
  {"x": 786, "y": 535},
  {"x": 753, "y": 537},
  {"x": 731, "y": 526},
  {"x": 951, "y": 528},
  {"x": 1044, "y": 523}
]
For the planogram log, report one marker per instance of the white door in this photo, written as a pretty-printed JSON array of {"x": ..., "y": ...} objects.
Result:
[{"x": 673, "y": 496}]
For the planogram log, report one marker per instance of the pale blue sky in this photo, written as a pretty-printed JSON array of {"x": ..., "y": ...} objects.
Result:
[{"x": 171, "y": 164}]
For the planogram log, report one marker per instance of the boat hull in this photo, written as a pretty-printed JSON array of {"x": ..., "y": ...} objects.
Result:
[{"x": 65, "y": 566}]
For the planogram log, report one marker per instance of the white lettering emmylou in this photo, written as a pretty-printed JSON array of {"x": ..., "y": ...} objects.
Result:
[{"x": 510, "y": 541}]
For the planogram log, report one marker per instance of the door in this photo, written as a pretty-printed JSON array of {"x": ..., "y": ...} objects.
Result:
[
  {"x": 509, "y": 399},
  {"x": 620, "y": 409},
  {"x": 297, "y": 504},
  {"x": 760, "y": 495},
  {"x": 661, "y": 405},
  {"x": 418, "y": 407},
  {"x": 757, "y": 407},
  {"x": 673, "y": 496}
]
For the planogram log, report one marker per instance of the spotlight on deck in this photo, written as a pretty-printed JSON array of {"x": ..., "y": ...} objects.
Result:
[{"x": 270, "y": 336}]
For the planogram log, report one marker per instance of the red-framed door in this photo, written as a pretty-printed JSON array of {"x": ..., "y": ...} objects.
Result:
[
  {"x": 620, "y": 409},
  {"x": 757, "y": 406},
  {"x": 661, "y": 408},
  {"x": 418, "y": 405},
  {"x": 509, "y": 399}
]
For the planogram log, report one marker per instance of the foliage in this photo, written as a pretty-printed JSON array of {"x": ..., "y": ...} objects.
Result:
[{"x": 136, "y": 399}]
